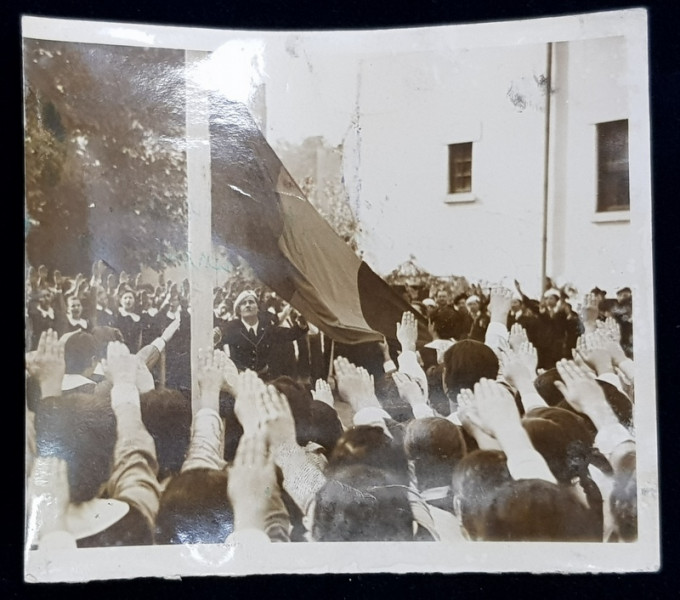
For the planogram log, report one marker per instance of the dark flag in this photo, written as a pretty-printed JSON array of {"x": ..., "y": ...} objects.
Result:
[{"x": 259, "y": 212}]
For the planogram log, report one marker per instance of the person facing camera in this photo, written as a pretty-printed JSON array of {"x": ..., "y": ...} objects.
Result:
[{"x": 252, "y": 337}]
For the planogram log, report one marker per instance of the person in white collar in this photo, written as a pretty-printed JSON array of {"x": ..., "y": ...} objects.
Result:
[
  {"x": 128, "y": 321},
  {"x": 74, "y": 315},
  {"x": 41, "y": 315},
  {"x": 252, "y": 337}
]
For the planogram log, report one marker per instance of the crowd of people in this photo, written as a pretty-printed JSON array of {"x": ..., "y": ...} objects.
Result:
[{"x": 514, "y": 422}]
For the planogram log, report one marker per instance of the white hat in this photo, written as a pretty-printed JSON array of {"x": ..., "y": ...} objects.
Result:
[
  {"x": 429, "y": 302},
  {"x": 471, "y": 299},
  {"x": 552, "y": 292},
  {"x": 241, "y": 297}
]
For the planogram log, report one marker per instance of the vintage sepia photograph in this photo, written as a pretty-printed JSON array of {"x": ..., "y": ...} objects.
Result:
[{"x": 339, "y": 302}]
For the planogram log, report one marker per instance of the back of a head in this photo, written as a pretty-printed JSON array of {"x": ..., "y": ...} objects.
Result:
[
  {"x": 466, "y": 362},
  {"x": 300, "y": 402},
  {"x": 444, "y": 322},
  {"x": 81, "y": 429},
  {"x": 326, "y": 427},
  {"x": 80, "y": 352},
  {"x": 435, "y": 445},
  {"x": 562, "y": 439},
  {"x": 535, "y": 510},
  {"x": 369, "y": 446},
  {"x": 546, "y": 388},
  {"x": 167, "y": 417},
  {"x": 103, "y": 335},
  {"x": 362, "y": 503},
  {"x": 476, "y": 478},
  {"x": 194, "y": 509}
]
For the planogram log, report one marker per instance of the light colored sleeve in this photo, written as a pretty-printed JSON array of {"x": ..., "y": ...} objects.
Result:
[
  {"x": 372, "y": 415},
  {"x": 134, "y": 477},
  {"x": 611, "y": 436},
  {"x": 206, "y": 449},
  {"x": 532, "y": 400},
  {"x": 529, "y": 464},
  {"x": 627, "y": 367},
  {"x": 248, "y": 538},
  {"x": 409, "y": 365},
  {"x": 613, "y": 379},
  {"x": 496, "y": 336},
  {"x": 423, "y": 411},
  {"x": 302, "y": 476}
]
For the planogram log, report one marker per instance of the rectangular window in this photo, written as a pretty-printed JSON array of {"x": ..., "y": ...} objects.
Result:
[
  {"x": 460, "y": 168},
  {"x": 613, "y": 191}
]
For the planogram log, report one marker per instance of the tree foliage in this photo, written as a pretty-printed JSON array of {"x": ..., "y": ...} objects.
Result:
[{"x": 105, "y": 165}]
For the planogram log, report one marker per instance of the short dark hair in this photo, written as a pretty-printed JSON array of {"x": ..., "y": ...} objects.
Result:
[
  {"x": 80, "y": 351},
  {"x": 369, "y": 445},
  {"x": 195, "y": 509},
  {"x": 465, "y": 363},
  {"x": 444, "y": 320},
  {"x": 535, "y": 510},
  {"x": 80, "y": 429},
  {"x": 362, "y": 503},
  {"x": 460, "y": 297},
  {"x": 166, "y": 414},
  {"x": 435, "y": 445}
]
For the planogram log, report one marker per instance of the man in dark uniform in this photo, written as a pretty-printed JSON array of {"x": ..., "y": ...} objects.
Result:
[{"x": 252, "y": 337}]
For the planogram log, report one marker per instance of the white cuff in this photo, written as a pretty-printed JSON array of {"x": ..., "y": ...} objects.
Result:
[
  {"x": 389, "y": 367},
  {"x": 611, "y": 378},
  {"x": 529, "y": 465},
  {"x": 608, "y": 438},
  {"x": 422, "y": 411},
  {"x": 124, "y": 393},
  {"x": 372, "y": 415},
  {"x": 159, "y": 344}
]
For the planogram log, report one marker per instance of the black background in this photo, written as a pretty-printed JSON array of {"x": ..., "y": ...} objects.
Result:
[{"x": 664, "y": 36}]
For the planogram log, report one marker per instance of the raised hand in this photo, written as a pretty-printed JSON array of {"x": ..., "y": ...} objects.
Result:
[
  {"x": 124, "y": 277},
  {"x": 355, "y": 385},
  {"x": 500, "y": 300},
  {"x": 473, "y": 423},
  {"x": 47, "y": 363},
  {"x": 610, "y": 329},
  {"x": 229, "y": 376},
  {"x": 276, "y": 417},
  {"x": 120, "y": 367},
  {"x": 171, "y": 329},
  {"x": 409, "y": 390},
  {"x": 322, "y": 392},
  {"x": 58, "y": 279},
  {"x": 111, "y": 283},
  {"x": 583, "y": 393},
  {"x": 249, "y": 389},
  {"x": 496, "y": 407},
  {"x": 518, "y": 336},
  {"x": 210, "y": 369},
  {"x": 33, "y": 278},
  {"x": 592, "y": 349},
  {"x": 251, "y": 480},
  {"x": 519, "y": 366},
  {"x": 589, "y": 312},
  {"x": 407, "y": 332}
]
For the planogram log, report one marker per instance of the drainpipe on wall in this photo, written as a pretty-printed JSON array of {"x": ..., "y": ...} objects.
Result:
[{"x": 546, "y": 166}]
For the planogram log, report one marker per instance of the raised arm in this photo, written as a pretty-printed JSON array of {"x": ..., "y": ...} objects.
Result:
[{"x": 134, "y": 476}]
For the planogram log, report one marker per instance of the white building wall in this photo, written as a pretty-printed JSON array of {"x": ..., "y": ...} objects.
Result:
[
  {"x": 591, "y": 86},
  {"x": 395, "y": 112}
]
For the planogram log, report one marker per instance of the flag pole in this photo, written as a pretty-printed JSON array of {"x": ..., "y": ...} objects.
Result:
[{"x": 330, "y": 362}]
